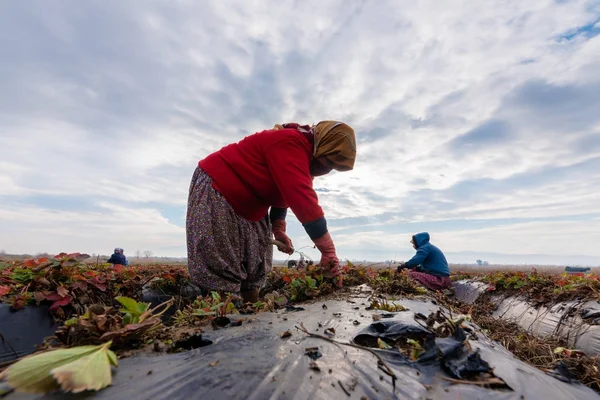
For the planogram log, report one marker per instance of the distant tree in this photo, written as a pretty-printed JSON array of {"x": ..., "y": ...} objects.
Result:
[
  {"x": 148, "y": 253},
  {"x": 479, "y": 262},
  {"x": 138, "y": 253},
  {"x": 2, "y": 252},
  {"x": 486, "y": 263}
]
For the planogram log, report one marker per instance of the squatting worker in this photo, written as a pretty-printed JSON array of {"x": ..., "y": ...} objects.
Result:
[{"x": 239, "y": 198}]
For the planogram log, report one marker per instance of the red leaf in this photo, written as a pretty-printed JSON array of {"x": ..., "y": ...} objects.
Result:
[
  {"x": 54, "y": 297},
  {"x": 287, "y": 279},
  {"x": 61, "y": 302},
  {"x": 30, "y": 263},
  {"x": 90, "y": 274},
  {"x": 118, "y": 268},
  {"x": 4, "y": 290}
]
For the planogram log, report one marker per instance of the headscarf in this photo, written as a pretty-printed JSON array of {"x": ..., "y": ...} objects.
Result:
[
  {"x": 335, "y": 141},
  {"x": 332, "y": 139}
]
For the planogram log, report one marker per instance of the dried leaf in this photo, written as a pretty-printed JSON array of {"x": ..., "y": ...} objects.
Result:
[
  {"x": 62, "y": 291},
  {"x": 42, "y": 281},
  {"x": 383, "y": 345},
  {"x": 75, "y": 369},
  {"x": 214, "y": 363},
  {"x": 285, "y": 334},
  {"x": 314, "y": 366},
  {"x": 91, "y": 372},
  {"x": 376, "y": 317},
  {"x": 81, "y": 285},
  {"x": 330, "y": 331},
  {"x": 130, "y": 329}
]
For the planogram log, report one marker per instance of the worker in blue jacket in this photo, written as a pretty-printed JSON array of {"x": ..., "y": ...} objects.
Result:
[
  {"x": 118, "y": 257},
  {"x": 429, "y": 266}
]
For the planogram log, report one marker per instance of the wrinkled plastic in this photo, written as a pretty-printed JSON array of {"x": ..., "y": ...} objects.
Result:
[
  {"x": 574, "y": 321},
  {"x": 254, "y": 362},
  {"x": 22, "y": 330}
]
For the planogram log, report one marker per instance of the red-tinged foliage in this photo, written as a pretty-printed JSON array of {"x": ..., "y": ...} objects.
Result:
[
  {"x": 117, "y": 268},
  {"x": 540, "y": 288},
  {"x": 60, "y": 302},
  {"x": 4, "y": 290}
]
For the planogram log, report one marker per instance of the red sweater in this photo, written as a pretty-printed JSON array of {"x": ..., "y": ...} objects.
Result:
[{"x": 268, "y": 169}]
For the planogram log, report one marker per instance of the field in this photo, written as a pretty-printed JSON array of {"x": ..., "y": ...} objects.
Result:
[{"x": 98, "y": 303}]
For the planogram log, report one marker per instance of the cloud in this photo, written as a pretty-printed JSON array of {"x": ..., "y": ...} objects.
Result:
[{"x": 465, "y": 116}]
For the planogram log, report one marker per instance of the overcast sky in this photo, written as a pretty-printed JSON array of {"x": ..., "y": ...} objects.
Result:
[{"x": 478, "y": 121}]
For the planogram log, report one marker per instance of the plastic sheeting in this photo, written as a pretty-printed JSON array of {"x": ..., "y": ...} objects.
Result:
[
  {"x": 574, "y": 321},
  {"x": 254, "y": 362},
  {"x": 22, "y": 330}
]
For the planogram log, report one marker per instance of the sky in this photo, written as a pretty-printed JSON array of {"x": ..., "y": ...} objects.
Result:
[{"x": 476, "y": 121}]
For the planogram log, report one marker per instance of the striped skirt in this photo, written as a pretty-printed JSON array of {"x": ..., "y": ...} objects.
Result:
[
  {"x": 225, "y": 251},
  {"x": 431, "y": 282}
]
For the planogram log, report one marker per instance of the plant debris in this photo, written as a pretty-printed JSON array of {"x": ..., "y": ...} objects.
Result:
[
  {"x": 102, "y": 303},
  {"x": 313, "y": 352},
  {"x": 285, "y": 334}
]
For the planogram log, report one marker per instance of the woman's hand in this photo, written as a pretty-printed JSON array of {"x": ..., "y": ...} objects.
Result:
[
  {"x": 279, "y": 226},
  {"x": 329, "y": 259}
]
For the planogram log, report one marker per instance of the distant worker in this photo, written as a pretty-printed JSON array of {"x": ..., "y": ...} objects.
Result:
[
  {"x": 429, "y": 266},
  {"x": 118, "y": 257},
  {"x": 239, "y": 197}
]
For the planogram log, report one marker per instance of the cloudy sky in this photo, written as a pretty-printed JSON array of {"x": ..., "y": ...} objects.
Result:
[{"x": 477, "y": 121}]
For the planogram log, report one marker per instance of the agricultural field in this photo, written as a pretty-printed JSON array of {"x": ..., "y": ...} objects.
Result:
[{"x": 107, "y": 306}]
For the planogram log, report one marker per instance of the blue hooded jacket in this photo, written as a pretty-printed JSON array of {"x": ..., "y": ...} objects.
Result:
[
  {"x": 430, "y": 258},
  {"x": 118, "y": 258}
]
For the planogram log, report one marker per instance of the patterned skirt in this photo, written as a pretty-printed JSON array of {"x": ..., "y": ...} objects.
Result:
[
  {"x": 431, "y": 282},
  {"x": 225, "y": 251}
]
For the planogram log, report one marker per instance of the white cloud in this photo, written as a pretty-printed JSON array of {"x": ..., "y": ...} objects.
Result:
[
  {"x": 97, "y": 231},
  {"x": 117, "y": 103}
]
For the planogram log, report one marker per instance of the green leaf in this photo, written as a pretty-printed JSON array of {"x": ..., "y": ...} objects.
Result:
[
  {"x": 202, "y": 313},
  {"x": 112, "y": 357},
  {"x": 383, "y": 345},
  {"x": 142, "y": 307},
  {"x": 230, "y": 307},
  {"x": 258, "y": 304},
  {"x": 281, "y": 301},
  {"x": 559, "y": 350},
  {"x": 128, "y": 303},
  {"x": 75, "y": 369},
  {"x": 127, "y": 318},
  {"x": 215, "y": 296}
]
